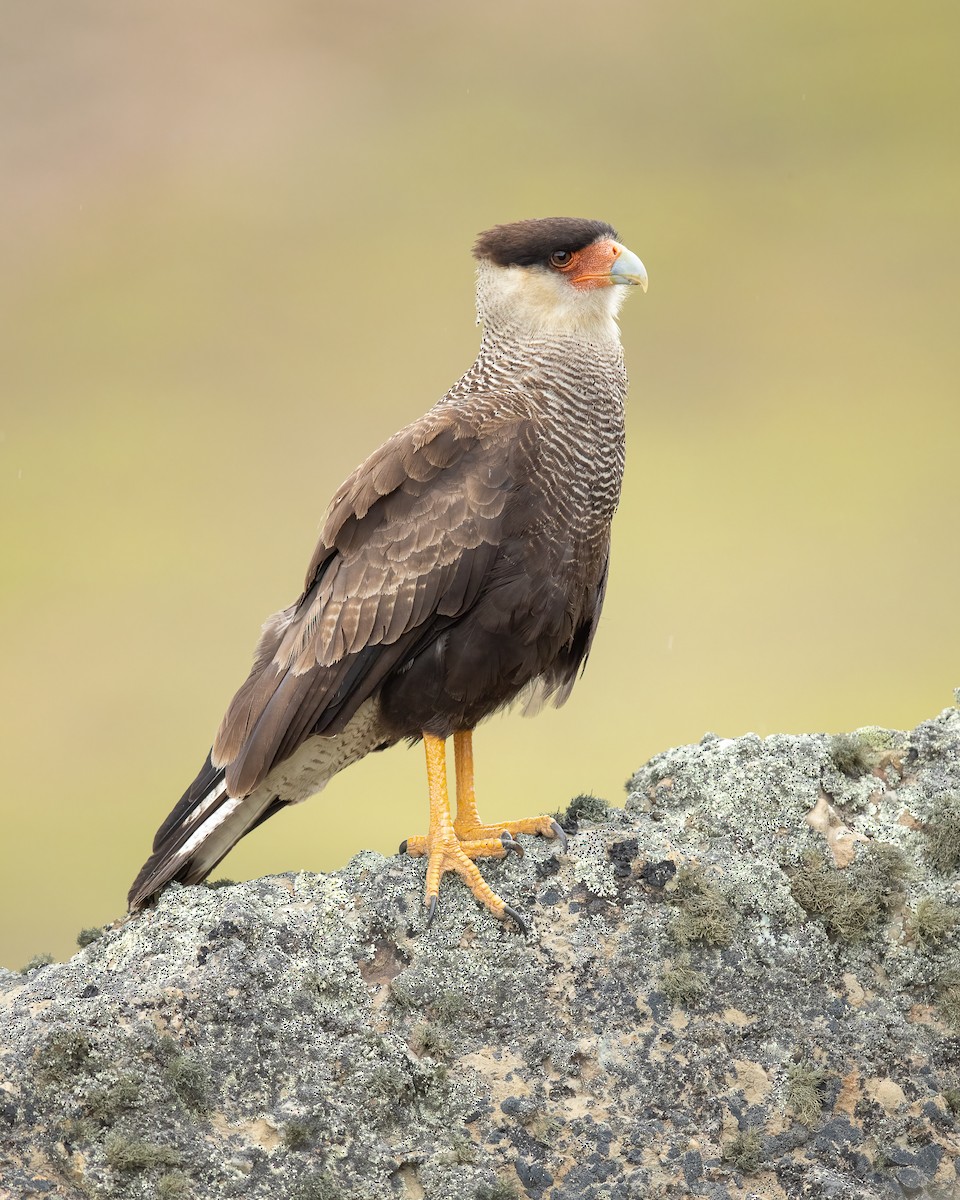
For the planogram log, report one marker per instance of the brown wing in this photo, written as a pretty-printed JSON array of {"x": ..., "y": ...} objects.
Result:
[{"x": 407, "y": 543}]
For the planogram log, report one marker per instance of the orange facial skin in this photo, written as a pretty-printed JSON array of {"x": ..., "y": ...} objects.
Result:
[{"x": 593, "y": 266}]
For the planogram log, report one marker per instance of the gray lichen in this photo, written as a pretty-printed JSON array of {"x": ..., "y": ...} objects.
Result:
[{"x": 715, "y": 986}]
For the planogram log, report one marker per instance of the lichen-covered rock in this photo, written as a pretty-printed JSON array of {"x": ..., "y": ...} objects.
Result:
[{"x": 747, "y": 983}]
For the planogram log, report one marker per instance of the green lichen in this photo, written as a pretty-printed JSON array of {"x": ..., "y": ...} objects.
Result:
[
  {"x": 449, "y": 1007},
  {"x": 402, "y": 996},
  {"x": 745, "y": 1151},
  {"x": 316, "y": 984},
  {"x": 931, "y": 922},
  {"x": 704, "y": 914},
  {"x": 430, "y": 1040},
  {"x": 38, "y": 960},
  {"x": 803, "y": 1096},
  {"x": 543, "y": 1127},
  {"x": 167, "y": 1048},
  {"x": 852, "y": 901},
  {"x": 943, "y": 834},
  {"x": 87, "y": 936},
  {"x": 951, "y": 1097},
  {"x": 391, "y": 1084},
  {"x": 130, "y": 1154},
  {"x": 65, "y": 1054},
  {"x": 500, "y": 1189},
  {"x": 862, "y": 751},
  {"x": 173, "y": 1186},
  {"x": 187, "y": 1077},
  {"x": 105, "y": 1103},
  {"x": 461, "y": 1151},
  {"x": 220, "y": 883},
  {"x": 846, "y": 752},
  {"x": 583, "y": 808},
  {"x": 77, "y": 1130},
  {"x": 886, "y": 860},
  {"x": 853, "y": 754},
  {"x": 682, "y": 983},
  {"x": 300, "y": 1133},
  {"x": 190, "y": 1080},
  {"x": 948, "y": 998},
  {"x": 319, "y": 1186}
]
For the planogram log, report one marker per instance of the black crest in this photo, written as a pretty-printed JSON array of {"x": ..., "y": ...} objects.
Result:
[{"x": 527, "y": 242}]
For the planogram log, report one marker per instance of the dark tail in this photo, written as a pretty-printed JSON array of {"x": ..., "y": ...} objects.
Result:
[{"x": 205, "y": 825}]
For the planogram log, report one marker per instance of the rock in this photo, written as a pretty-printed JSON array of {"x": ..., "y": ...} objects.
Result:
[{"x": 746, "y": 983}]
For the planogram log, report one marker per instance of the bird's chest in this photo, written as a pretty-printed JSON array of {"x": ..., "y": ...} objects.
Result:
[{"x": 580, "y": 471}]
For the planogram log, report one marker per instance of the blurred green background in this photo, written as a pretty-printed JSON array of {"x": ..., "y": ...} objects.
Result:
[{"x": 235, "y": 243}]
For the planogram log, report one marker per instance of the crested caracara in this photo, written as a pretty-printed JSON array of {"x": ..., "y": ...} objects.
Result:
[{"x": 461, "y": 567}]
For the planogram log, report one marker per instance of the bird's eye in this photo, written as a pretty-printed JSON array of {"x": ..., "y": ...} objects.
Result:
[{"x": 560, "y": 258}]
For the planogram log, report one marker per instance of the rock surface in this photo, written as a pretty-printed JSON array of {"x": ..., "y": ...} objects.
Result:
[{"x": 747, "y": 983}]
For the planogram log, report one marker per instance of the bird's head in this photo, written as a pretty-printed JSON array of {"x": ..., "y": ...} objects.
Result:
[{"x": 554, "y": 275}]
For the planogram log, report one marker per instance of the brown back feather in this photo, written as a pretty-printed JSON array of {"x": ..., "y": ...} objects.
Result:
[{"x": 407, "y": 544}]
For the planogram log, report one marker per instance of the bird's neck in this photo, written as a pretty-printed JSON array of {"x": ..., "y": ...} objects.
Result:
[
  {"x": 506, "y": 340},
  {"x": 552, "y": 363}
]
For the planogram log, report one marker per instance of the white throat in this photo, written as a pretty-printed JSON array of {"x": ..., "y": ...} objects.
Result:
[{"x": 534, "y": 302}]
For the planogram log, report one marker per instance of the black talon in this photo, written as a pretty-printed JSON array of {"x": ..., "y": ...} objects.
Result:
[
  {"x": 514, "y": 916},
  {"x": 559, "y": 834},
  {"x": 508, "y": 842},
  {"x": 431, "y": 909},
  {"x": 403, "y": 847}
]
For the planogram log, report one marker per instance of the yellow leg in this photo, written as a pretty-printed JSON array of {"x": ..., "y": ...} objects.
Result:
[
  {"x": 452, "y": 845},
  {"x": 442, "y": 846},
  {"x": 467, "y": 815},
  {"x": 468, "y": 826}
]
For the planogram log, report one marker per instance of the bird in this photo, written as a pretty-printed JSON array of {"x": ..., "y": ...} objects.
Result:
[{"x": 461, "y": 568}]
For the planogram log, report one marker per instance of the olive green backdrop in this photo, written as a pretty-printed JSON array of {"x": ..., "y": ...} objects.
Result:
[{"x": 235, "y": 244}]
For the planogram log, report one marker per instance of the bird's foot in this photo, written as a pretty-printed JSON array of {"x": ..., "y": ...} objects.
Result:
[
  {"x": 470, "y": 830},
  {"x": 446, "y": 852}
]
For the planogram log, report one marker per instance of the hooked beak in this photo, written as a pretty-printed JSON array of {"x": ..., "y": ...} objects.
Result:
[
  {"x": 607, "y": 262},
  {"x": 628, "y": 268}
]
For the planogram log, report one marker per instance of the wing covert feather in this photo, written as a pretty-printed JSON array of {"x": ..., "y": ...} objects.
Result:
[{"x": 406, "y": 546}]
